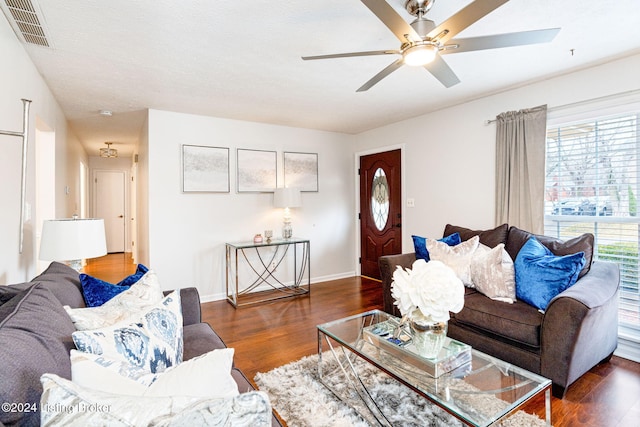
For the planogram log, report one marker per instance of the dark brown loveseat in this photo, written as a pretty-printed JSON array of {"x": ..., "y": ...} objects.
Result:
[{"x": 577, "y": 331}]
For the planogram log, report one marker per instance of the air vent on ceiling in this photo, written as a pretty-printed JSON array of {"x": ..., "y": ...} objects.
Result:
[{"x": 27, "y": 21}]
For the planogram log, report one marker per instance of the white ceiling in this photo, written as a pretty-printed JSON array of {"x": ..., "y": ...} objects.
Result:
[{"x": 241, "y": 60}]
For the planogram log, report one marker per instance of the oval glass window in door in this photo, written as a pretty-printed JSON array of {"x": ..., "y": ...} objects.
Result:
[{"x": 380, "y": 199}]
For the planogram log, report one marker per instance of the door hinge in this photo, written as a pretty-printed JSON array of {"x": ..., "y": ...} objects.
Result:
[
  {"x": 358, "y": 171},
  {"x": 359, "y": 260},
  {"x": 359, "y": 215}
]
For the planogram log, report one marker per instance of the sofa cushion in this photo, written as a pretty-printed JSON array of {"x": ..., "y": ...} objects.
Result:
[
  {"x": 128, "y": 305},
  {"x": 96, "y": 292},
  {"x": 8, "y": 292},
  {"x": 153, "y": 343},
  {"x": 64, "y": 282},
  {"x": 35, "y": 333},
  {"x": 420, "y": 244},
  {"x": 517, "y": 322},
  {"x": 541, "y": 275},
  {"x": 583, "y": 243},
  {"x": 490, "y": 238},
  {"x": 200, "y": 338}
]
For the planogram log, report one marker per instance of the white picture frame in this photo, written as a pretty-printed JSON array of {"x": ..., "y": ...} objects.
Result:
[
  {"x": 256, "y": 171},
  {"x": 205, "y": 169},
  {"x": 301, "y": 170}
]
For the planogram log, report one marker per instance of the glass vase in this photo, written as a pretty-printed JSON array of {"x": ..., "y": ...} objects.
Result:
[{"x": 428, "y": 337}]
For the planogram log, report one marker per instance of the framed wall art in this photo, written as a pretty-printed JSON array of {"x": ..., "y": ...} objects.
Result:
[
  {"x": 256, "y": 171},
  {"x": 205, "y": 169},
  {"x": 301, "y": 170}
]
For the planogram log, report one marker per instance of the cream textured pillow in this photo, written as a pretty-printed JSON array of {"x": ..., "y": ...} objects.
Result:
[
  {"x": 208, "y": 375},
  {"x": 64, "y": 403},
  {"x": 152, "y": 343},
  {"x": 493, "y": 274},
  {"x": 125, "y": 306},
  {"x": 457, "y": 257}
]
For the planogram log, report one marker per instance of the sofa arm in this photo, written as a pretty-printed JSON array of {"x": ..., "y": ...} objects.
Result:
[
  {"x": 580, "y": 326},
  {"x": 191, "y": 311},
  {"x": 388, "y": 264}
]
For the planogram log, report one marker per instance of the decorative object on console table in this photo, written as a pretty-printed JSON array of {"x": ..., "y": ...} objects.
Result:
[
  {"x": 287, "y": 198},
  {"x": 425, "y": 295},
  {"x": 72, "y": 239}
]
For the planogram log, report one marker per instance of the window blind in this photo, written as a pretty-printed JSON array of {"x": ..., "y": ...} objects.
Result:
[{"x": 592, "y": 176}]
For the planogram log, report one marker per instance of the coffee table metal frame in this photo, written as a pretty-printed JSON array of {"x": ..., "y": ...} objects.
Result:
[{"x": 486, "y": 375}]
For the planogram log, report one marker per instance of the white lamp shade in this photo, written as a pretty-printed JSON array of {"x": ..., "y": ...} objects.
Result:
[
  {"x": 72, "y": 239},
  {"x": 287, "y": 198}
]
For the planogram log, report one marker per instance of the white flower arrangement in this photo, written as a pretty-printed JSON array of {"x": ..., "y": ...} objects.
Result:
[{"x": 427, "y": 291}]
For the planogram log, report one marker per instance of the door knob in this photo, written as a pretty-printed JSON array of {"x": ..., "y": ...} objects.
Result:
[{"x": 120, "y": 216}]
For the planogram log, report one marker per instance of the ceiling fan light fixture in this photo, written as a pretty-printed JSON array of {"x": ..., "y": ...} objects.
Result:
[
  {"x": 419, "y": 55},
  {"x": 108, "y": 152}
]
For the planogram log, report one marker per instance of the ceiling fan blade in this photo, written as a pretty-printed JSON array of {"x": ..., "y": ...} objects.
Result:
[
  {"x": 500, "y": 40},
  {"x": 381, "y": 75},
  {"x": 347, "y": 55},
  {"x": 389, "y": 17},
  {"x": 441, "y": 71},
  {"x": 463, "y": 18}
]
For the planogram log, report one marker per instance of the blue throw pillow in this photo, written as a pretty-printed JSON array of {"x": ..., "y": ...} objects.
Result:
[
  {"x": 541, "y": 275},
  {"x": 96, "y": 292},
  {"x": 420, "y": 244}
]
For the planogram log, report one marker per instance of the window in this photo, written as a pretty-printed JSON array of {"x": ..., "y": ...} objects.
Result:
[{"x": 592, "y": 177}]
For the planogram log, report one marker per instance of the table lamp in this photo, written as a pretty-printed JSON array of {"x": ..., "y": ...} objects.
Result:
[
  {"x": 72, "y": 240},
  {"x": 287, "y": 198}
]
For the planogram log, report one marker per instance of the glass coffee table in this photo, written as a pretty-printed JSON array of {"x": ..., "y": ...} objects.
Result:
[{"x": 480, "y": 391}]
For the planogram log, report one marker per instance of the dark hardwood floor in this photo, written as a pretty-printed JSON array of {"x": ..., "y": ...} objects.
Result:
[{"x": 272, "y": 334}]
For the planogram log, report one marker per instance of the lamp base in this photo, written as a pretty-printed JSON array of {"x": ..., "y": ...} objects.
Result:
[
  {"x": 76, "y": 264},
  {"x": 287, "y": 231}
]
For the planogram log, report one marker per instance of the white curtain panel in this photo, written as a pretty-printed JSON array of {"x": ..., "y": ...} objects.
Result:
[{"x": 520, "y": 170}]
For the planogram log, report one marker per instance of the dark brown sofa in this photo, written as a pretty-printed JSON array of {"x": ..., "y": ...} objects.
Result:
[
  {"x": 42, "y": 344},
  {"x": 577, "y": 331}
]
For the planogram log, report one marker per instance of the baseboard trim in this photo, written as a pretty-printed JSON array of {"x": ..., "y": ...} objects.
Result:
[{"x": 628, "y": 348}]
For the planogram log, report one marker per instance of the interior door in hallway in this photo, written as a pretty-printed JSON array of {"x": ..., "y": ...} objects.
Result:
[
  {"x": 380, "y": 209},
  {"x": 110, "y": 205}
]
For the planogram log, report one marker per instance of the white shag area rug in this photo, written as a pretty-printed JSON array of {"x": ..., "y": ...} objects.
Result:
[{"x": 302, "y": 400}]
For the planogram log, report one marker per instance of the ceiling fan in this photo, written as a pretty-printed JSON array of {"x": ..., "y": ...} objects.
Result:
[{"x": 423, "y": 42}]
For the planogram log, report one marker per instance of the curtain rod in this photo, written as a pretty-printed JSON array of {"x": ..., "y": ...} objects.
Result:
[{"x": 584, "y": 102}]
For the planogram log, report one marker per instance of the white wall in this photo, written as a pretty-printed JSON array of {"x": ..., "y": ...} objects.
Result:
[
  {"x": 450, "y": 154},
  {"x": 20, "y": 79},
  {"x": 187, "y": 231}
]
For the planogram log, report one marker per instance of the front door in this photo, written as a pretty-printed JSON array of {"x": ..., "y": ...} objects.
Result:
[{"x": 380, "y": 209}]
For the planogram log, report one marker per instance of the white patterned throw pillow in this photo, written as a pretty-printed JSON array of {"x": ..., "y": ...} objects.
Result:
[
  {"x": 493, "y": 274},
  {"x": 127, "y": 305},
  {"x": 64, "y": 403},
  {"x": 153, "y": 343},
  {"x": 457, "y": 257}
]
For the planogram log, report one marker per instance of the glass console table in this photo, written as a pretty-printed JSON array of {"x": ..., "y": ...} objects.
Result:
[{"x": 263, "y": 265}]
